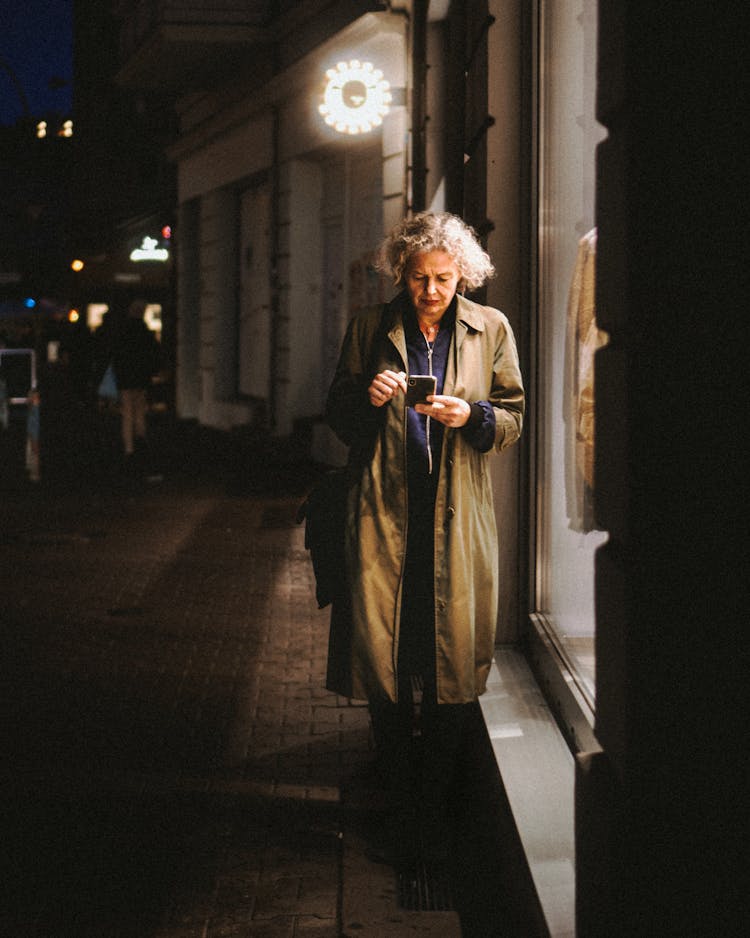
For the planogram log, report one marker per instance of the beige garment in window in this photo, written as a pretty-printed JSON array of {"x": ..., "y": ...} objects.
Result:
[{"x": 584, "y": 338}]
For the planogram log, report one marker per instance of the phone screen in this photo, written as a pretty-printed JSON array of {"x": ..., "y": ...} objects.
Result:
[{"x": 418, "y": 387}]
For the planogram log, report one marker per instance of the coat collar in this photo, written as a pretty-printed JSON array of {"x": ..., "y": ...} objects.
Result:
[
  {"x": 469, "y": 313},
  {"x": 468, "y": 318}
]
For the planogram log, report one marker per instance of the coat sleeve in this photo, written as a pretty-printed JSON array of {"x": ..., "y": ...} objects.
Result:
[
  {"x": 349, "y": 412},
  {"x": 507, "y": 396}
]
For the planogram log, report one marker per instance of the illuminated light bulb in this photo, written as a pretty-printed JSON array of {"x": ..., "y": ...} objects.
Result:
[
  {"x": 76, "y": 265},
  {"x": 356, "y": 97},
  {"x": 73, "y": 316}
]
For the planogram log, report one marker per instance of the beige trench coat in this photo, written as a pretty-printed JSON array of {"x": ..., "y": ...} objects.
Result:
[{"x": 482, "y": 365}]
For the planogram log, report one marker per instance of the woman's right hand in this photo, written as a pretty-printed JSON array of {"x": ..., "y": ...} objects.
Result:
[{"x": 385, "y": 386}]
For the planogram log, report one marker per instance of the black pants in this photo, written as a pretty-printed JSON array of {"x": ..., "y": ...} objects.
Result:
[
  {"x": 418, "y": 740},
  {"x": 418, "y": 749}
]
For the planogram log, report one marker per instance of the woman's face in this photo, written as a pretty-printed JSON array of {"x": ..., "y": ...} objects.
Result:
[{"x": 432, "y": 279}]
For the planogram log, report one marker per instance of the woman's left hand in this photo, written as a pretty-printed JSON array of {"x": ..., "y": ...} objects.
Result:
[{"x": 451, "y": 411}]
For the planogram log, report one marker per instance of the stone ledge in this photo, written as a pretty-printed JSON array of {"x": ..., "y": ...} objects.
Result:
[{"x": 537, "y": 771}]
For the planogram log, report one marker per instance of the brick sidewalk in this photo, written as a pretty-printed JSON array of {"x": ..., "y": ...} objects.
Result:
[{"x": 178, "y": 770}]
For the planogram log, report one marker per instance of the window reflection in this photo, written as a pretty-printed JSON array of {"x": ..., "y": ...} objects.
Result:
[{"x": 568, "y": 335}]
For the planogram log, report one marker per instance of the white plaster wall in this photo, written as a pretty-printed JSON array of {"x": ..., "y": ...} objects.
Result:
[
  {"x": 217, "y": 305},
  {"x": 238, "y": 153},
  {"x": 298, "y": 392},
  {"x": 395, "y": 146},
  {"x": 238, "y": 143},
  {"x": 187, "y": 383}
]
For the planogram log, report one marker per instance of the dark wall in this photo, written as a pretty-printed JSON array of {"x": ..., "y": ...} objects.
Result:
[
  {"x": 658, "y": 842},
  {"x": 121, "y": 170}
]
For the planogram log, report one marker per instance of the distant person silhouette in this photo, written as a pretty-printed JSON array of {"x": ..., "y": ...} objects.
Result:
[{"x": 135, "y": 360}]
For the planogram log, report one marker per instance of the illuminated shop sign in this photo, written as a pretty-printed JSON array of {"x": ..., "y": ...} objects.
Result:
[
  {"x": 356, "y": 97},
  {"x": 148, "y": 251}
]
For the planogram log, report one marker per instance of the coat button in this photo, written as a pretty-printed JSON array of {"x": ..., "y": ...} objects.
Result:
[{"x": 450, "y": 511}]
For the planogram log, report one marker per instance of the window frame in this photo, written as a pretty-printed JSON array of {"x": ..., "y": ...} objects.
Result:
[{"x": 567, "y": 693}]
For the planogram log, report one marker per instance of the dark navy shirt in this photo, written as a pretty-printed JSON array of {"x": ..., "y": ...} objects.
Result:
[{"x": 424, "y": 436}]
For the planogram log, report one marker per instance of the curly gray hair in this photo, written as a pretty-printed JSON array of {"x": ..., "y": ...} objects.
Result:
[{"x": 436, "y": 231}]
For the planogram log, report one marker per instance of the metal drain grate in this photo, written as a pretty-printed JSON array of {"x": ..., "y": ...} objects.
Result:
[{"x": 423, "y": 890}]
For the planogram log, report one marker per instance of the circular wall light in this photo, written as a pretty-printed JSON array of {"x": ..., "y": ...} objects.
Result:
[{"x": 356, "y": 97}]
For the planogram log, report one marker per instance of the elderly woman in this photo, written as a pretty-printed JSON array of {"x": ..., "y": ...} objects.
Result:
[{"x": 419, "y": 604}]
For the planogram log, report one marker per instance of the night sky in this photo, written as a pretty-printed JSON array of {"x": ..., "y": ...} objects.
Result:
[{"x": 36, "y": 46}]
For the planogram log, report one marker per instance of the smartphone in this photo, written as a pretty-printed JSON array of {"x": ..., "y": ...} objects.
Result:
[{"x": 418, "y": 387}]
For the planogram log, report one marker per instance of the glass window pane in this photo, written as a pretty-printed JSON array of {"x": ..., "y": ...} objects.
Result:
[{"x": 568, "y": 335}]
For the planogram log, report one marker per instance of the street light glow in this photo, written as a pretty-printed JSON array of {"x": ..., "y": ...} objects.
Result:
[
  {"x": 356, "y": 97},
  {"x": 64, "y": 130}
]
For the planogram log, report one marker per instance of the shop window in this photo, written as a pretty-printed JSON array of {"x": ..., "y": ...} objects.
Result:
[{"x": 567, "y": 335}]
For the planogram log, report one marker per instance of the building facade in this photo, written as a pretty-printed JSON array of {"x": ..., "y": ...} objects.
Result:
[{"x": 566, "y": 134}]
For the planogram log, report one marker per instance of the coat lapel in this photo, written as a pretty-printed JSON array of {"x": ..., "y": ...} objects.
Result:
[
  {"x": 467, "y": 319},
  {"x": 395, "y": 310}
]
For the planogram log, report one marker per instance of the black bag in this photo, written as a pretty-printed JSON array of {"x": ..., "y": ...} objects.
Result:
[{"x": 324, "y": 514}]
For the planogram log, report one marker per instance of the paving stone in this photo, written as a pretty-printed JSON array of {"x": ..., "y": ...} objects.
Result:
[
  {"x": 166, "y": 681},
  {"x": 314, "y": 927},
  {"x": 279, "y": 927}
]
